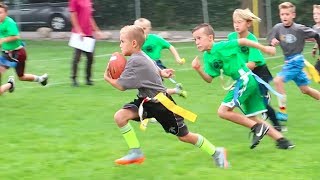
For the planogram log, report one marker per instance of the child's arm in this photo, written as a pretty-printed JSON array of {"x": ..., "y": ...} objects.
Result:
[
  {"x": 266, "y": 49},
  {"x": 9, "y": 38},
  {"x": 197, "y": 66},
  {"x": 176, "y": 55},
  {"x": 113, "y": 82}
]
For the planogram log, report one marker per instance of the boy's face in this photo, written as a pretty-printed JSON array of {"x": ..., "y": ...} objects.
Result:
[
  {"x": 240, "y": 25},
  {"x": 126, "y": 45},
  {"x": 287, "y": 16},
  {"x": 3, "y": 14},
  {"x": 203, "y": 41},
  {"x": 316, "y": 15}
]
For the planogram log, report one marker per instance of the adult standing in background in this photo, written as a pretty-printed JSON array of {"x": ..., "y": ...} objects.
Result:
[{"x": 84, "y": 24}]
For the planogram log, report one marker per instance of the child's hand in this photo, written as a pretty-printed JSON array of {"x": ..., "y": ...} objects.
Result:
[
  {"x": 167, "y": 73},
  {"x": 274, "y": 42},
  {"x": 269, "y": 50},
  {"x": 181, "y": 61},
  {"x": 196, "y": 63}
]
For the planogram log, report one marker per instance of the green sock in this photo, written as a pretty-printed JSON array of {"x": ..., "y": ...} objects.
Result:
[
  {"x": 130, "y": 136},
  {"x": 205, "y": 145}
]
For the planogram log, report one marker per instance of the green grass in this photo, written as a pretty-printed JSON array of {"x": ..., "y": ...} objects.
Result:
[{"x": 61, "y": 132}]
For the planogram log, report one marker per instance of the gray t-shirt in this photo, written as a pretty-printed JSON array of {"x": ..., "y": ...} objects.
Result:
[
  {"x": 292, "y": 39},
  {"x": 316, "y": 28},
  {"x": 143, "y": 74}
]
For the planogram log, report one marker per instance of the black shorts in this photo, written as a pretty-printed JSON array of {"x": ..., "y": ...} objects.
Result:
[
  {"x": 264, "y": 73},
  {"x": 171, "y": 123}
]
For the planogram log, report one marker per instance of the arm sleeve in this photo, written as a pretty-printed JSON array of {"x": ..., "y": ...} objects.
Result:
[
  {"x": 72, "y": 5},
  {"x": 308, "y": 32},
  {"x": 164, "y": 43}
]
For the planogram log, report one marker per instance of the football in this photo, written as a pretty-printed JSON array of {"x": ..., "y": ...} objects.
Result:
[{"x": 117, "y": 63}]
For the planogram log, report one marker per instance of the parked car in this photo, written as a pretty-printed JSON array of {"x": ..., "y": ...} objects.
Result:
[{"x": 40, "y": 13}]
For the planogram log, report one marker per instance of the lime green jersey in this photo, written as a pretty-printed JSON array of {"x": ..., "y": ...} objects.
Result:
[
  {"x": 154, "y": 45},
  {"x": 224, "y": 56},
  {"x": 249, "y": 54},
  {"x": 9, "y": 28}
]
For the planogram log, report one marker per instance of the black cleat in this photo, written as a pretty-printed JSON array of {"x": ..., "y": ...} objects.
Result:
[
  {"x": 89, "y": 83},
  {"x": 284, "y": 143},
  {"x": 45, "y": 78},
  {"x": 12, "y": 82},
  {"x": 258, "y": 130}
]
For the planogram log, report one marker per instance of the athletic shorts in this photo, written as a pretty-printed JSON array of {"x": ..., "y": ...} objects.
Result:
[
  {"x": 171, "y": 123},
  {"x": 293, "y": 70},
  {"x": 20, "y": 55},
  {"x": 250, "y": 99}
]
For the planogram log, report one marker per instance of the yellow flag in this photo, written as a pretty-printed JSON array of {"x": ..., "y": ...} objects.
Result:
[
  {"x": 164, "y": 100},
  {"x": 312, "y": 72}
]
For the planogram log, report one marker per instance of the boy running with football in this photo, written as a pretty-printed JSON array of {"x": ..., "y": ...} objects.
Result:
[
  {"x": 143, "y": 74},
  {"x": 223, "y": 57}
]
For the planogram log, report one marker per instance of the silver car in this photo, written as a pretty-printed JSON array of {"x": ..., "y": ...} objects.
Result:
[{"x": 41, "y": 13}]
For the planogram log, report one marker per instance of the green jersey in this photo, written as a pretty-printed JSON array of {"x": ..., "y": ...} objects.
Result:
[
  {"x": 154, "y": 45},
  {"x": 225, "y": 56},
  {"x": 249, "y": 54},
  {"x": 9, "y": 28}
]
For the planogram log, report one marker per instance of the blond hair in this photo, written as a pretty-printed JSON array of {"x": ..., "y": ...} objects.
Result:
[
  {"x": 287, "y": 5},
  {"x": 134, "y": 32},
  {"x": 143, "y": 21},
  {"x": 246, "y": 14},
  {"x": 4, "y": 6},
  {"x": 207, "y": 29},
  {"x": 316, "y": 6}
]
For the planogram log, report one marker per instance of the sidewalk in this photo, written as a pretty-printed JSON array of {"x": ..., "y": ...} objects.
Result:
[{"x": 114, "y": 35}]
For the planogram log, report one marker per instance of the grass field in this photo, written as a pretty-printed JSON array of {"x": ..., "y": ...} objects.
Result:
[{"x": 62, "y": 132}]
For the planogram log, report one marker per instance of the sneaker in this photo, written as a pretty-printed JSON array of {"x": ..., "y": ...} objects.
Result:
[
  {"x": 89, "y": 83},
  {"x": 220, "y": 158},
  {"x": 74, "y": 83},
  {"x": 258, "y": 130},
  {"x": 44, "y": 79},
  {"x": 134, "y": 156},
  {"x": 183, "y": 94},
  {"x": 284, "y": 143},
  {"x": 282, "y": 116},
  {"x": 12, "y": 82}
]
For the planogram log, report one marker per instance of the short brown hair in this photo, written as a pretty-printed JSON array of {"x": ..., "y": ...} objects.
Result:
[
  {"x": 287, "y": 5},
  {"x": 134, "y": 32},
  {"x": 4, "y": 6},
  {"x": 208, "y": 29}
]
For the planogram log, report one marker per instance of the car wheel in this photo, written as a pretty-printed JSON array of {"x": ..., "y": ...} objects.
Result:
[{"x": 58, "y": 22}]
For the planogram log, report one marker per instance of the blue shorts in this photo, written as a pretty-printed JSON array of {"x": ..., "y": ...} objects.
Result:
[
  {"x": 293, "y": 70},
  {"x": 7, "y": 63}
]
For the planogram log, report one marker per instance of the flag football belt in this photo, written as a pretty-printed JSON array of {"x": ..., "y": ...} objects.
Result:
[
  {"x": 310, "y": 70},
  {"x": 170, "y": 105},
  {"x": 261, "y": 81}
]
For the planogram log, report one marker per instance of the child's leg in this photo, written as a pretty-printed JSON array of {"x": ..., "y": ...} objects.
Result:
[
  {"x": 219, "y": 154},
  {"x": 135, "y": 155},
  {"x": 310, "y": 91},
  {"x": 30, "y": 77},
  {"x": 282, "y": 102}
]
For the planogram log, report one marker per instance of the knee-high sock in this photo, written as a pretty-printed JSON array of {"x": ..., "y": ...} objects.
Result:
[
  {"x": 205, "y": 145},
  {"x": 272, "y": 116},
  {"x": 283, "y": 104},
  {"x": 130, "y": 136}
]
